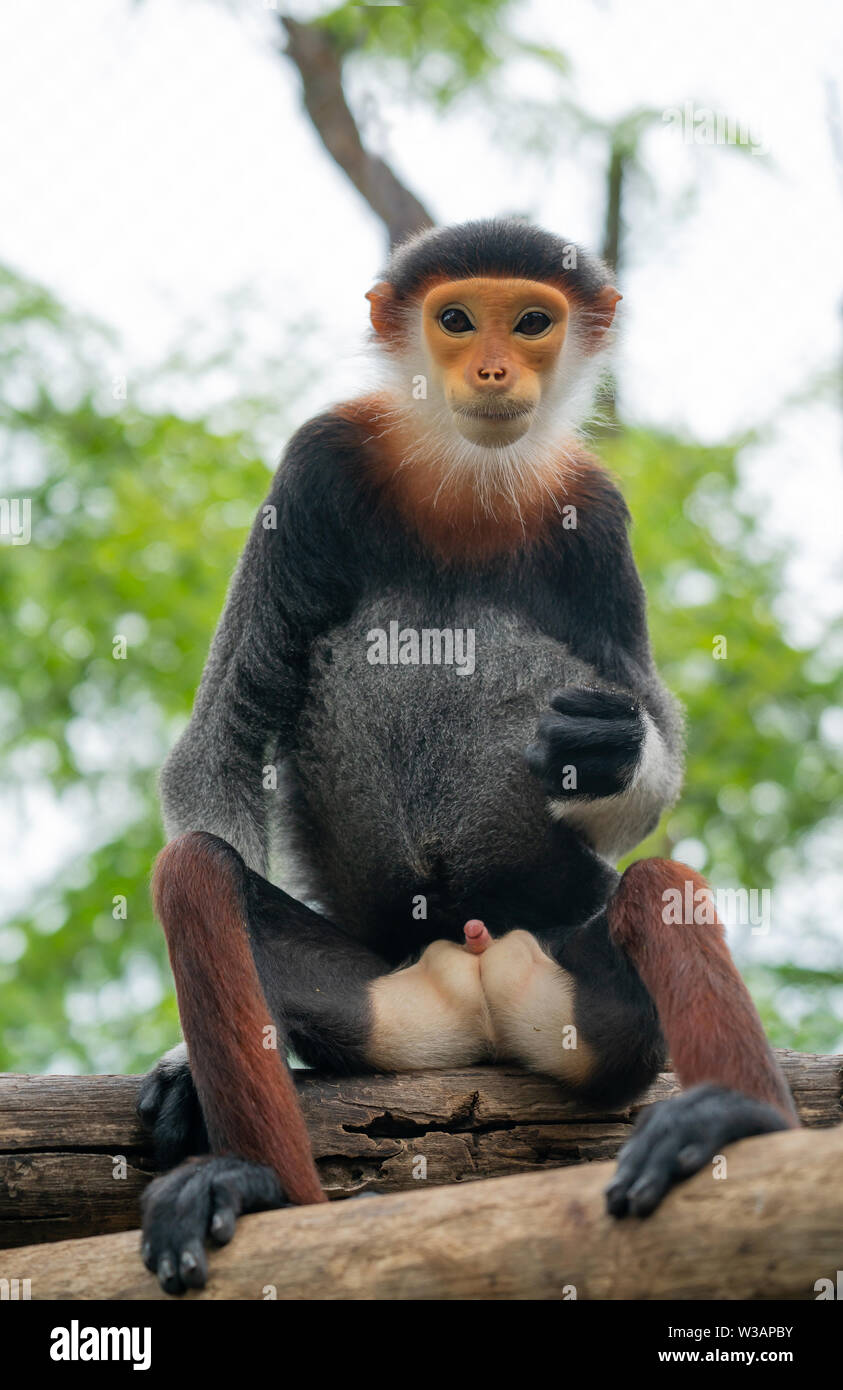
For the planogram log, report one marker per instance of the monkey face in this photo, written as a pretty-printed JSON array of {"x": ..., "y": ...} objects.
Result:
[
  {"x": 493, "y": 346},
  {"x": 488, "y": 367}
]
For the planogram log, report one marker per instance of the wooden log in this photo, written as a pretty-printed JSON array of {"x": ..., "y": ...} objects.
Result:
[
  {"x": 62, "y": 1137},
  {"x": 769, "y": 1229}
]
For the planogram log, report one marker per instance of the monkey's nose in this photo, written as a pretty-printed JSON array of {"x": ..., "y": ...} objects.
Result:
[{"x": 492, "y": 374}]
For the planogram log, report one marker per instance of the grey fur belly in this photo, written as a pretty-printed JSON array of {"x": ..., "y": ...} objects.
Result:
[{"x": 408, "y": 771}]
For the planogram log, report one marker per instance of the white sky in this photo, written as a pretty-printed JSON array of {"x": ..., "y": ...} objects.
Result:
[{"x": 154, "y": 158}]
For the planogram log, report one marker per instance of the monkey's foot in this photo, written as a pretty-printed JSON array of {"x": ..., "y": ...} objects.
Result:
[
  {"x": 198, "y": 1202},
  {"x": 677, "y": 1137},
  {"x": 169, "y": 1106},
  {"x": 477, "y": 938}
]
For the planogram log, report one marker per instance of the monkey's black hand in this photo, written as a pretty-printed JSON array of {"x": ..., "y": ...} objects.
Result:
[
  {"x": 588, "y": 744},
  {"x": 198, "y": 1202},
  {"x": 677, "y": 1137},
  {"x": 169, "y": 1106}
]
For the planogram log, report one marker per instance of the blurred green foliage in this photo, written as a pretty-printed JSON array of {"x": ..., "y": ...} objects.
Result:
[
  {"x": 137, "y": 521},
  {"x": 440, "y": 49},
  {"x": 138, "y": 516}
]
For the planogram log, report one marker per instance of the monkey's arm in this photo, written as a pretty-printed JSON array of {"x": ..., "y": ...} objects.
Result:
[
  {"x": 292, "y": 581},
  {"x": 608, "y": 752},
  {"x": 288, "y": 587},
  {"x": 212, "y": 779}
]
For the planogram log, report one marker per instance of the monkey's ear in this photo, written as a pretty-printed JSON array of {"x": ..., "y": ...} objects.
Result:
[
  {"x": 599, "y": 311},
  {"x": 383, "y": 310},
  {"x": 603, "y": 312}
]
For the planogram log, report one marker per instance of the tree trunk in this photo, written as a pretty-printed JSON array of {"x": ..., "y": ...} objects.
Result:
[{"x": 769, "y": 1230}]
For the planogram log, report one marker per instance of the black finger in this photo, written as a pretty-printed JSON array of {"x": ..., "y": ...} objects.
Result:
[
  {"x": 596, "y": 704},
  {"x": 657, "y": 1174},
  {"x": 193, "y": 1265},
  {"x": 561, "y": 731},
  {"x": 168, "y": 1276},
  {"x": 149, "y": 1098}
]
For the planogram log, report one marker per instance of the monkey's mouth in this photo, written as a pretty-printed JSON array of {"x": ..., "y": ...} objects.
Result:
[
  {"x": 493, "y": 424},
  {"x": 492, "y": 411}
]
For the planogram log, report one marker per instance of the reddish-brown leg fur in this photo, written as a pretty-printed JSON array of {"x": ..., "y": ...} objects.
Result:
[
  {"x": 248, "y": 1097},
  {"x": 708, "y": 1018}
]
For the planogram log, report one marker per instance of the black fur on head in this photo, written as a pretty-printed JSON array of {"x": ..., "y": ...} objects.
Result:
[{"x": 505, "y": 246}]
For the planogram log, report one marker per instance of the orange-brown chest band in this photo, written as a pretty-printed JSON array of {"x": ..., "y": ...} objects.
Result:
[{"x": 445, "y": 509}]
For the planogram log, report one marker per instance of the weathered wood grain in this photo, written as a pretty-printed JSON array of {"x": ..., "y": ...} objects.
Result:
[
  {"x": 60, "y": 1136},
  {"x": 769, "y": 1229}
]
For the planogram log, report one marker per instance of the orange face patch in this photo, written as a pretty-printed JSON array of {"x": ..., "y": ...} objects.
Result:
[{"x": 493, "y": 343}]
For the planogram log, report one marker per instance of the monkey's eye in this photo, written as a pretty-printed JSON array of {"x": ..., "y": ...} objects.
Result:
[
  {"x": 533, "y": 323},
  {"x": 455, "y": 321}
]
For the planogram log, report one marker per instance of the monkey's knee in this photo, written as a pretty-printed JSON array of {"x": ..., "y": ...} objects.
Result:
[
  {"x": 658, "y": 893},
  {"x": 431, "y": 1014},
  {"x": 197, "y": 881},
  {"x": 531, "y": 1003}
]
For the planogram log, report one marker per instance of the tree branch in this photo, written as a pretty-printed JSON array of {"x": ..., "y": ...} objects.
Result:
[
  {"x": 319, "y": 64},
  {"x": 61, "y": 1136},
  {"x": 768, "y": 1229}
]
